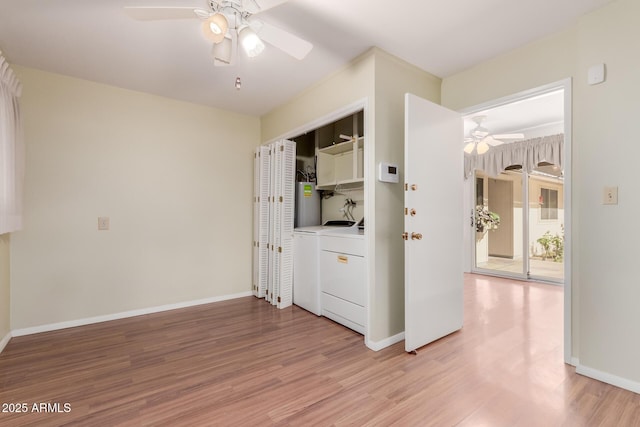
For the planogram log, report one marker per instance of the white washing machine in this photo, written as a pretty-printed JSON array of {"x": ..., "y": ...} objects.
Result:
[{"x": 306, "y": 261}]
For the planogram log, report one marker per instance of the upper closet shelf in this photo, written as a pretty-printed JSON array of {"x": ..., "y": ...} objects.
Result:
[{"x": 339, "y": 148}]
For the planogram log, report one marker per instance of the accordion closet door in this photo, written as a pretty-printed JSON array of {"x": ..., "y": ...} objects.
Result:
[{"x": 274, "y": 204}]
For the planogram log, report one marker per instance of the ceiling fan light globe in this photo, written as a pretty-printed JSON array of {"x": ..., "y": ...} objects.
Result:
[
  {"x": 483, "y": 147},
  {"x": 469, "y": 148},
  {"x": 250, "y": 42},
  {"x": 215, "y": 27}
]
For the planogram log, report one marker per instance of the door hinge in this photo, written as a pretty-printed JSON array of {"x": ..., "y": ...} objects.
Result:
[
  {"x": 279, "y": 299},
  {"x": 280, "y": 249},
  {"x": 281, "y": 199}
]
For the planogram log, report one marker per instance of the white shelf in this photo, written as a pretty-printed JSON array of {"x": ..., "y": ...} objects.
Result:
[
  {"x": 339, "y": 148},
  {"x": 351, "y": 182},
  {"x": 341, "y": 164},
  {"x": 326, "y": 186}
]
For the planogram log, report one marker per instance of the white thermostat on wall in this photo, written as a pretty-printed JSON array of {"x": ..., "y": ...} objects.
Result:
[{"x": 388, "y": 172}]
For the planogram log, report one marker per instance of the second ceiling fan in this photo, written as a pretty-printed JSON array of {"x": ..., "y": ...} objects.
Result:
[
  {"x": 229, "y": 24},
  {"x": 481, "y": 140}
]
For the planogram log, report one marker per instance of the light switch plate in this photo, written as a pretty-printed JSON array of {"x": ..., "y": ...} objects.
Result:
[
  {"x": 103, "y": 223},
  {"x": 610, "y": 196}
]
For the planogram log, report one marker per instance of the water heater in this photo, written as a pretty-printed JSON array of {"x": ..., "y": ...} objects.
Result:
[{"x": 308, "y": 205}]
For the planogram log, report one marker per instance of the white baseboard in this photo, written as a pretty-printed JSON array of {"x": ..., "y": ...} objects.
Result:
[
  {"x": 379, "y": 345},
  {"x": 123, "y": 315},
  {"x": 5, "y": 341},
  {"x": 608, "y": 378},
  {"x": 574, "y": 362}
]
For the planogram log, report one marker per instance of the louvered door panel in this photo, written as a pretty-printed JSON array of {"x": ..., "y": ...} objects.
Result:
[
  {"x": 263, "y": 241},
  {"x": 272, "y": 257},
  {"x": 256, "y": 223},
  {"x": 277, "y": 222},
  {"x": 287, "y": 206}
]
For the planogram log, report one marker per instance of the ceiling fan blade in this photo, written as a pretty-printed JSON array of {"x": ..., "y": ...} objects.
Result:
[
  {"x": 251, "y": 6},
  {"x": 156, "y": 13},
  {"x": 255, "y": 6},
  {"x": 492, "y": 141},
  {"x": 283, "y": 40},
  {"x": 509, "y": 136}
]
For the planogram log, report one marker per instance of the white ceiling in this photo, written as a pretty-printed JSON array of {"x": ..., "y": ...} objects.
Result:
[
  {"x": 535, "y": 116},
  {"x": 95, "y": 40}
]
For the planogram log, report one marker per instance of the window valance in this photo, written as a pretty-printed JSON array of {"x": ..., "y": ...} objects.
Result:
[{"x": 528, "y": 154}]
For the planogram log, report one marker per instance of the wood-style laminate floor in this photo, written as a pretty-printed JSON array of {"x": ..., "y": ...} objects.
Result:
[{"x": 244, "y": 363}]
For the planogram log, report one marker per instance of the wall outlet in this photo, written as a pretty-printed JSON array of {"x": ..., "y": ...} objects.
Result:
[
  {"x": 103, "y": 223},
  {"x": 610, "y": 196}
]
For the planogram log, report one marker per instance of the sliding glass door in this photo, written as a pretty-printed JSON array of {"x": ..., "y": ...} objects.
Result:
[
  {"x": 499, "y": 231},
  {"x": 518, "y": 224},
  {"x": 546, "y": 224}
]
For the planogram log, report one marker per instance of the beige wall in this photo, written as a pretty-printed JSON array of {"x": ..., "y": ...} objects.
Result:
[
  {"x": 5, "y": 324},
  {"x": 351, "y": 84},
  {"x": 545, "y": 61},
  {"x": 393, "y": 79},
  {"x": 604, "y": 151},
  {"x": 175, "y": 179}
]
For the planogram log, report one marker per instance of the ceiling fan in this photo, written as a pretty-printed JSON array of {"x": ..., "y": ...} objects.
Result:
[
  {"x": 229, "y": 23},
  {"x": 480, "y": 139}
]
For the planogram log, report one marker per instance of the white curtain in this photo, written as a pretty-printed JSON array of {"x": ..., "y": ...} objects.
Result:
[
  {"x": 11, "y": 150},
  {"x": 528, "y": 154}
]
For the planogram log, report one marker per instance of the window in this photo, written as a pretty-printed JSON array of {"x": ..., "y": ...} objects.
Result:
[
  {"x": 548, "y": 203},
  {"x": 479, "y": 191},
  {"x": 11, "y": 151}
]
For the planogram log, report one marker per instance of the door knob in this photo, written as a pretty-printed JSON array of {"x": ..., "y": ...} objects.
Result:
[
  {"x": 412, "y": 212},
  {"x": 416, "y": 236}
]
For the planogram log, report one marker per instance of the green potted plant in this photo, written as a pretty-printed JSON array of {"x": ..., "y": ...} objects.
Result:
[
  {"x": 552, "y": 245},
  {"x": 485, "y": 219}
]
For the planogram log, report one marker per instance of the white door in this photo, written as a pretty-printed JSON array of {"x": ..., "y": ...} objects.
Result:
[{"x": 433, "y": 222}]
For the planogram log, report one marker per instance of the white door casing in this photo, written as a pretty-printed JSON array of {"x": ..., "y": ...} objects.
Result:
[{"x": 434, "y": 190}]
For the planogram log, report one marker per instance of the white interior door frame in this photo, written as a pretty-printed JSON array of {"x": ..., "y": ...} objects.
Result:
[
  {"x": 369, "y": 186},
  {"x": 565, "y": 85}
]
